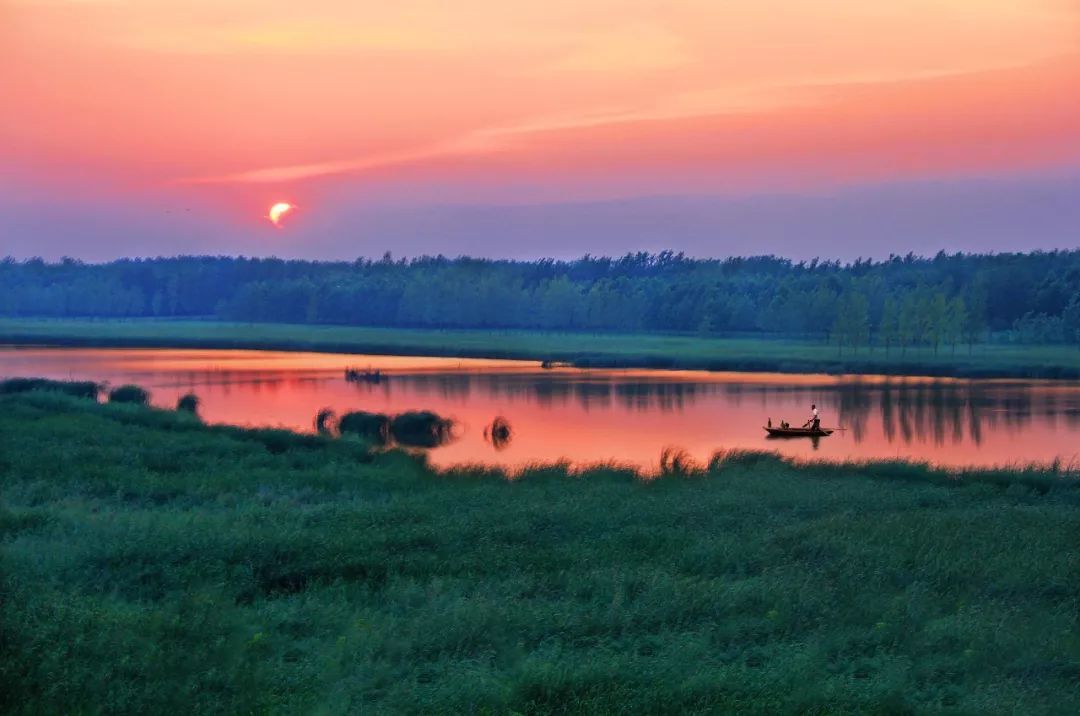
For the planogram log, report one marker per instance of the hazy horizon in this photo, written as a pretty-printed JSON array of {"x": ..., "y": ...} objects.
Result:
[{"x": 973, "y": 216}]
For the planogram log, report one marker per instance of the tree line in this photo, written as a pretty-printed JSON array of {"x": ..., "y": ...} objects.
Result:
[{"x": 898, "y": 303}]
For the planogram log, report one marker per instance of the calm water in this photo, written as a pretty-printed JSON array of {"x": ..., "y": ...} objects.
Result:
[{"x": 601, "y": 415}]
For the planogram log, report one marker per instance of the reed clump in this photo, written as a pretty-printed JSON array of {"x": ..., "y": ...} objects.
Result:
[
  {"x": 499, "y": 432},
  {"x": 677, "y": 462},
  {"x": 420, "y": 428},
  {"x": 326, "y": 421},
  {"x": 188, "y": 403},
  {"x": 741, "y": 457},
  {"x": 74, "y": 388},
  {"x": 129, "y": 394},
  {"x": 371, "y": 426}
]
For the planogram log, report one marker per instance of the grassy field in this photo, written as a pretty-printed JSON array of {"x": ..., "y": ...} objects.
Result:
[
  {"x": 151, "y": 564},
  {"x": 583, "y": 349}
]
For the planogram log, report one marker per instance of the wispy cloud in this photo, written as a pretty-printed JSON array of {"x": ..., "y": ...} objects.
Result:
[
  {"x": 299, "y": 172},
  {"x": 687, "y": 105},
  {"x": 271, "y": 91}
]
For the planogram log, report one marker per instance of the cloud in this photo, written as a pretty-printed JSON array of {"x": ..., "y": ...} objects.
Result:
[
  {"x": 275, "y": 91},
  {"x": 785, "y": 118},
  {"x": 465, "y": 145}
]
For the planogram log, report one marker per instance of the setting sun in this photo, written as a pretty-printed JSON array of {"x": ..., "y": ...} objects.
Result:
[{"x": 278, "y": 211}]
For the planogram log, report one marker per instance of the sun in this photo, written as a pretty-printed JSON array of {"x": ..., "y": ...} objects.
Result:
[{"x": 278, "y": 211}]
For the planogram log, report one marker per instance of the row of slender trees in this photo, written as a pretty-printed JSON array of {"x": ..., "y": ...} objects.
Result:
[
  {"x": 901, "y": 302},
  {"x": 923, "y": 317}
]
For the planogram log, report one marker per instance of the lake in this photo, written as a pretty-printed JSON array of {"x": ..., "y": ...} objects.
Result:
[{"x": 587, "y": 416}]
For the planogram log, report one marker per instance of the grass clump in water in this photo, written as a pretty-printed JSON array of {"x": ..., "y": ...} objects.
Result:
[
  {"x": 499, "y": 433},
  {"x": 420, "y": 428},
  {"x": 188, "y": 403},
  {"x": 371, "y": 426},
  {"x": 131, "y": 394},
  {"x": 326, "y": 421}
]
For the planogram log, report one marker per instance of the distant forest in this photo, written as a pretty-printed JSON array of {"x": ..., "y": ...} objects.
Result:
[{"x": 901, "y": 302}]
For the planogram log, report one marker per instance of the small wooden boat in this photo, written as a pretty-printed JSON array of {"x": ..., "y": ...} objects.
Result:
[
  {"x": 797, "y": 432},
  {"x": 363, "y": 376}
]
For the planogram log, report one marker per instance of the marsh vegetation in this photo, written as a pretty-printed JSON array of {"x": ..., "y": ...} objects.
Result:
[
  {"x": 74, "y": 388},
  {"x": 129, "y": 394},
  {"x": 189, "y": 403},
  {"x": 373, "y": 426},
  {"x": 152, "y": 563},
  {"x": 499, "y": 433}
]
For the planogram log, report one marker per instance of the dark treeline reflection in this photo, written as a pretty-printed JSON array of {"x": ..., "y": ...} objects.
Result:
[
  {"x": 935, "y": 411},
  {"x": 270, "y": 379},
  {"x": 556, "y": 390},
  {"x": 945, "y": 411}
]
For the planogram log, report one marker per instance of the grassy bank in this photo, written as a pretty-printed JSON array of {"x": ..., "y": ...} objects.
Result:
[
  {"x": 583, "y": 349},
  {"x": 151, "y": 564}
]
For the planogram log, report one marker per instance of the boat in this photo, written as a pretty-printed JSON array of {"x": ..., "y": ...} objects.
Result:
[
  {"x": 797, "y": 432},
  {"x": 363, "y": 376}
]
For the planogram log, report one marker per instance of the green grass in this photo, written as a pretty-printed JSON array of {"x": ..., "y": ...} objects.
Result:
[
  {"x": 583, "y": 349},
  {"x": 151, "y": 564},
  {"x": 74, "y": 388}
]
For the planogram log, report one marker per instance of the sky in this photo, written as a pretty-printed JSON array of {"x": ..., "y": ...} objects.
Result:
[{"x": 834, "y": 128}]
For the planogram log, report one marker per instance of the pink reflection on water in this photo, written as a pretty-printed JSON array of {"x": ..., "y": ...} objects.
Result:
[{"x": 588, "y": 416}]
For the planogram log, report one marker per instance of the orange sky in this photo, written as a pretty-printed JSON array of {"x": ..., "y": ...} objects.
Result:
[{"x": 267, "y": 99}]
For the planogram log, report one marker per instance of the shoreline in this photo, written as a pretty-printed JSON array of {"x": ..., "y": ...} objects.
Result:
[
  {"x": 685, "y": 463},
  {"x": 579, "y": 350},
  {"x": 1034, "y": 473}
]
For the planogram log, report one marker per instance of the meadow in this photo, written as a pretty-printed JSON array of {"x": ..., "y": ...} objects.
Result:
[
  {"x": 601, "y": 350},
  {"x": 153, "y": 564}
]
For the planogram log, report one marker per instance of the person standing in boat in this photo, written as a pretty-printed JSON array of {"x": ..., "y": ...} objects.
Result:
[{"x": 814, "y": 423}]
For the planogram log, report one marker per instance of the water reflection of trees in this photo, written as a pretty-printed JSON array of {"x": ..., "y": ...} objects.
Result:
[
  {"x": 923, "y": 411},
  {"x": 936, "y": 411},
  {"x": 589, "y": 393},
  {"x": 226, "y": 380},
  {"x": 943, "y": 411}
]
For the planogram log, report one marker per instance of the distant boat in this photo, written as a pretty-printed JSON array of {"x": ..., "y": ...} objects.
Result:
[
  {"x": 797, "y": 432},
  {"x": 363, "y": 376}
]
